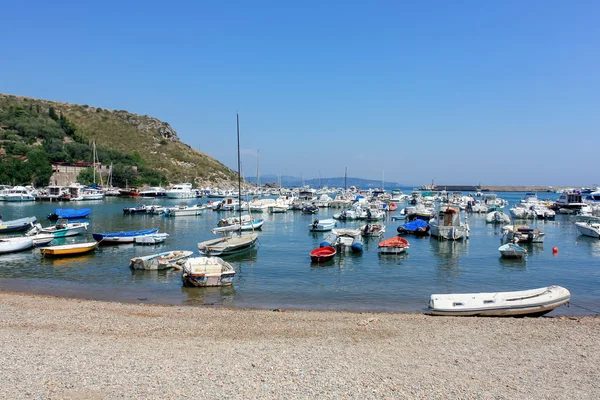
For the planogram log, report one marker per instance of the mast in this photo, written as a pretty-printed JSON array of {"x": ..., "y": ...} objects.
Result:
[
  {"x": 94, "y": 160},
  {"x": 345, "y": 178},
  {"x": 257, "y": 172},
  {"x": 237, "y": 117}
]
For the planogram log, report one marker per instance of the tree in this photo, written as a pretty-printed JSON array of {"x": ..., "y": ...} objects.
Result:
[
  {"x": 39, "y": 167},
  {"x": 124, "y": 176},
  {"x": 52, "y": 113},
  {"x": 86, "y": 177}
]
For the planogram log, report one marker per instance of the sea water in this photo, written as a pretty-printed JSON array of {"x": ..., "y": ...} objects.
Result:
[{"x": 280, "y": 274}]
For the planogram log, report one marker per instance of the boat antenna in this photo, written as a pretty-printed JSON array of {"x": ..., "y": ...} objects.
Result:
[{"x": 237, "y": 117}]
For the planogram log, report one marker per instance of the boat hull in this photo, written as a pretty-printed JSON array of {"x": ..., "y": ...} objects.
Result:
[
  {"x": 323, "y": 254},
  {"x": 68, "y": 250},
  {"x": 525, "y": 303},
  {"x": 591, "y": 230}
]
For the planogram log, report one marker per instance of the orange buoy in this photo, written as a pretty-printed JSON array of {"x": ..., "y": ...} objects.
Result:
[{"x": 555, "y": 250}]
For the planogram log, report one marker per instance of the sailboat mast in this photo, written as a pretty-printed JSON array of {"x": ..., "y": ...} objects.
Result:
[
  {"x": 257, "y": 171},
  {"x": 345, "y": 179},
  {"x": 237, "y": 117}
]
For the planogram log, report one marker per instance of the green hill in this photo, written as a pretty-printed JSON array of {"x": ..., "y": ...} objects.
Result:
[{"x": 42, "y": 131}]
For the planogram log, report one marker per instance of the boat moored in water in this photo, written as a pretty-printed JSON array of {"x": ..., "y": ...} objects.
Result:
[
  {"x": 69, "y": 249},
  {"x": 207, "y": 271}
]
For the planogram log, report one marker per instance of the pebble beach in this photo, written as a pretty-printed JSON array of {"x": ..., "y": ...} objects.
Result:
[{"x": 61, "y": 348}]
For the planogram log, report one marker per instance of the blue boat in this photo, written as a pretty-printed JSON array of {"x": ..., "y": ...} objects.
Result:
[
  {"x": 417, "y": 227},
  {"x": 124, "y": 236},
  {"x": 16, "y": 224},
  {"x": 69, "y": 213}
]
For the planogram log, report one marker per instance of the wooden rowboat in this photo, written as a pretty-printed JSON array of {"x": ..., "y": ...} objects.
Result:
[
  {"x": 68, "y": 249},
  {"x": 321, "y": 254}
]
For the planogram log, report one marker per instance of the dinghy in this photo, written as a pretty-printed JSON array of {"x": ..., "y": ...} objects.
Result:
[
  {"x": 16, "y": 225},
  {"x": 151, "y": 239},
  {"x": 64, "y": 229},
  {"x": 68, "y": 249},
  {"x": 511, "y": 250},
  {"x": 322, "y": 254},
  {"x": 207, "y": 271},
  {"x": 229, "y": 243},
  {"x": 14, "y": 244},
  {"x": 123, "y": 237},
  {"x": 167, "y": 259},
  {"x": 393, "y": 245},
  {"x": 372, "y": 230},
  {"x": 348, "y": 239},
  {"x": 525, "y": 303}
]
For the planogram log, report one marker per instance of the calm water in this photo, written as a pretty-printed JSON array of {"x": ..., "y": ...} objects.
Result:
[{"x": 279, "y": 274}]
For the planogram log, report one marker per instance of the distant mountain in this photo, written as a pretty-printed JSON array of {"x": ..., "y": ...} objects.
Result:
[{"x": 294, "y": 181}]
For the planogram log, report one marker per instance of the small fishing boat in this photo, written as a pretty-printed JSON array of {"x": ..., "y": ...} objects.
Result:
[
  {"x": 167, "y": 259},
  {"x": 69, "y": 213},
  {"x": 229, "y": 242},
  {"x": 322, "y": 225},
  {"x": 155, "y": 210},
  {"x": 138, "y": 209},
  {"x": 322, "y": 254},
  {"x": 511, "y": 250},
  {"x": 16, "y": 225},
  {"x": 64, "y": 229},
  {"x": 525, "y": 303},
  {"x": 207, "y": 271},
  {"x": 253, "y": 225},
  {"x": 68, "y": 249},
  {"x": 14, "y": 244},
  {"x": 372, "y": 230},
  {"x": 589, "y": 228},
  {"x": 393, "y": 245},
  {"x": 124, "y": 236},
  {"x": 398, "y": 217},
  {"x": 348, "y": 239},
  {"x": 183, "y": 211},
  {"x": 310, "y": 209},
  {"x": 151, "y": 239},
  {"x": 523, "y": 234}
]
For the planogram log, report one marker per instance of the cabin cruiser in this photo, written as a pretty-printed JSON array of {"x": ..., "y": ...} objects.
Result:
[
  {"x": 153, "y": 192},
  {"x": 569, "y": 202},
  {"x": 181, "y": 191},
  {"x": 19, "y": 193}
]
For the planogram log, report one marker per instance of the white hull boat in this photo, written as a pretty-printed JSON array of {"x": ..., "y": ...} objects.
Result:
[
  {"x": 322, "y": 225},
  {"x": 533, "y": 302},
  {"x": 372, "y": 230},
  {"x": 168, "y": 259},
  {"x": 11, "y": 245},
  {"x": 589, "y": 228},
  {"x": 151, "y": 239},
  {"x": 511, "y": 250},
  {"x": 207, "y": 271},
  {"x": 183, "y": 211},
  {"x": 497, "y": 217},
  {"x": 181, "y": 191}
]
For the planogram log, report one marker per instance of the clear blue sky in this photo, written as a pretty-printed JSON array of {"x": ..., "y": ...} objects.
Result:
[{"x": 503, "y": 92}]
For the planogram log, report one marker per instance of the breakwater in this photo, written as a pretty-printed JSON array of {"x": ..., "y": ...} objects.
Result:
[{"x": 475, "y": 188}]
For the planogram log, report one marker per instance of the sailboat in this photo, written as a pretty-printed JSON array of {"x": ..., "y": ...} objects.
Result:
[
  {"x": 232, "y": 241},
  {"x": 93, "y": 193}
]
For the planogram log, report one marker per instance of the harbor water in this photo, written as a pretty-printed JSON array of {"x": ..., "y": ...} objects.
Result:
[{"x": 279, "y": 273}]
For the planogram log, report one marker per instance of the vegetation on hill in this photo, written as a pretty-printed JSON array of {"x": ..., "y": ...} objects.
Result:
[{"x": 34, "y": 133}]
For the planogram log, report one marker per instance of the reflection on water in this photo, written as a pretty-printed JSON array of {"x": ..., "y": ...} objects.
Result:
[
  {"x": 512, "y": 262},
  {"x": 69, "y": 261},
  {"x": 592, "y": 245},
  {"x": 222, "y": 296},
  {"x": 448, "y": 252}
]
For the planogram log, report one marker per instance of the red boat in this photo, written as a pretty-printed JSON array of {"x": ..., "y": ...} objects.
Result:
[
  {"x": 393, "y": 245},
  {"x": 321, "y": 254}
]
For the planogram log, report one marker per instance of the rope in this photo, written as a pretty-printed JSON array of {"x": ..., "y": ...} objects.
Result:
[{"x": 584, "y": 308}]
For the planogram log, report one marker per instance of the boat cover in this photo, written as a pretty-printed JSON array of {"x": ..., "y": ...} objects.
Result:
[
  {"x": 72, "y": 213},
  {"x": 414, "y": 225}
]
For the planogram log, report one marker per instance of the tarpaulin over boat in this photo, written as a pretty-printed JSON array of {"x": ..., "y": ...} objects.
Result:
[
  {"x": 70, "y": 213},
  {"x": 416, "y": 224}
]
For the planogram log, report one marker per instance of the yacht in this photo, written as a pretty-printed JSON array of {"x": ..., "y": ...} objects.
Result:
[
  {"x": 153, "y": 192},
  {"x": 569, "y": 202},
  {"x": 181, "y": 191}
]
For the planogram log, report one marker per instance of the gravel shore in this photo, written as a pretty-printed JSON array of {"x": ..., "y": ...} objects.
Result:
[{"x": 55, "y": 348}]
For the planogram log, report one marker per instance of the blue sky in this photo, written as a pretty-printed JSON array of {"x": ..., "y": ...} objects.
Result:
[{"x": 461, "y": 92}]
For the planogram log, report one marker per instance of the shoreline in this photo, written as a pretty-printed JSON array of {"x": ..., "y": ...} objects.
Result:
[{"x": 72, "y": 348}]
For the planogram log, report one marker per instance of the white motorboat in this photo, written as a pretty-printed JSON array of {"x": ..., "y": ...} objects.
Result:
[
  {"x": 207, "y": 271},
  {"x": 533, "y": 302},
  {"x": 523, "y": 234},
  {"x": 511, "y": 250},
  {"x": 322, "y": 225},
  {"x": 64, "y": 229},
  {"x": 348, "y": 239},
  {"x": 168, "y": 259},
  {"x": 181, "y": 191},
  {"x": 589, "y": 228},
  {"x": 183, "y": 211},
  {"x": 19, "y": 193},
  {"x": 155, "y": 238}
]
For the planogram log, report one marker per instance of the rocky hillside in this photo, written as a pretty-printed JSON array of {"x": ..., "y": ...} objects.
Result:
[{"x": 151, "y": 143}]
